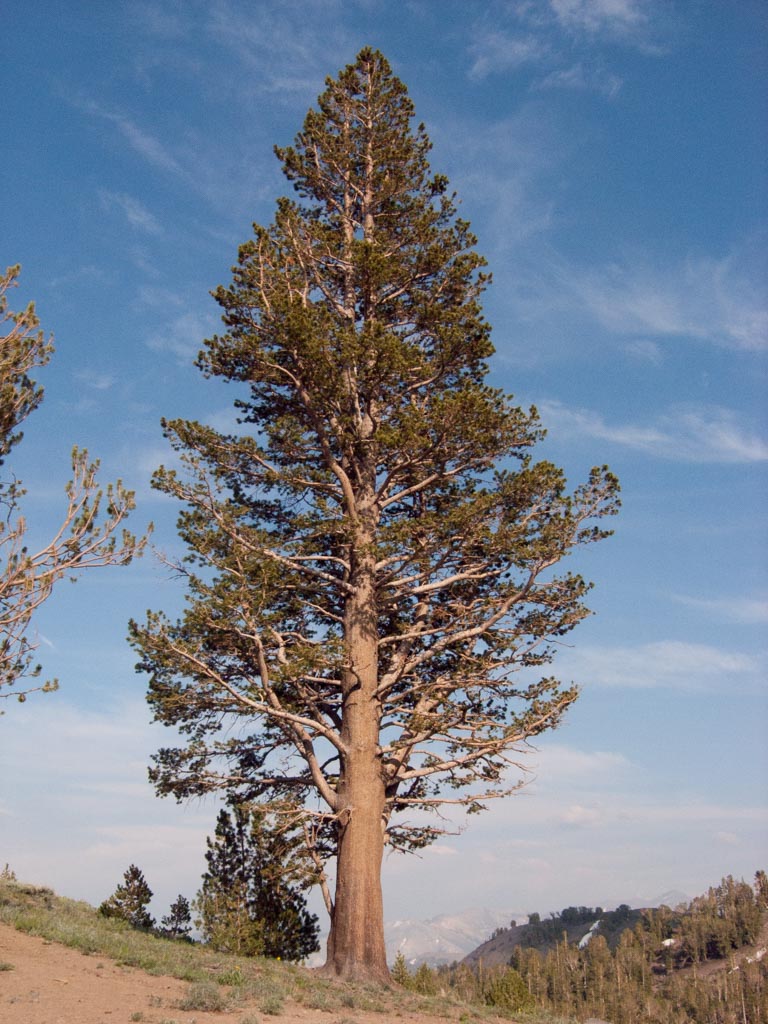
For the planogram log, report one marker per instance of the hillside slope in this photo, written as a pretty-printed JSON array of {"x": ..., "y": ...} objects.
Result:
[{"x": 576, "y": 924}]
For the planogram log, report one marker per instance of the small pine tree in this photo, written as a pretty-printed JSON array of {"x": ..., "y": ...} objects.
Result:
[
  {"x": 506, "y": 990},
  {"x": 250, "y": 902},
  {"x": 400, "y": 973},
  {"x": 761, "y": 889},
  {"x": 177, "y": 923},
  {"x": 424, "y": 981},
  {"x": 129, "y": 901}
]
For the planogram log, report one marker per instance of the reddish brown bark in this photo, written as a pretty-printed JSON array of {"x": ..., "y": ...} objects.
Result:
[{"x": 356, "y": 943}]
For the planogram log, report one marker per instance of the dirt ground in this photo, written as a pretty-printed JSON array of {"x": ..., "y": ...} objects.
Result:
[{"x": 52, "y": 984}]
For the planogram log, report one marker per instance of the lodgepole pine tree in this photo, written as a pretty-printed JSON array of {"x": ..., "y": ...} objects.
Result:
[{"x": 372, "y": 559}]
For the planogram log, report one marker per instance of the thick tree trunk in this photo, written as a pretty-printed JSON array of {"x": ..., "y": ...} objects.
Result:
[{"x": 356, "y": 942}]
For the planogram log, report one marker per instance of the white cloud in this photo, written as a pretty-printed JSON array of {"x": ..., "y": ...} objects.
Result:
[
  {"x": 286, "y": 48},
  {"x": 702, "y": 298},
  {"x": 145, "y": 144},
  {"x": 495, "y": 51},
  {"x": 95, "y": 379},
  {"x": 556, "y": 761},
  {"x": 87, "y": 274},
  {"x": 184, "y": 334},
  {"x": 578, "y": 816},
  {"x": 506, "y": 172},
  {"x": 646, "y": 350},
  {"x": 579, "y": 77},
  {"x": 665, "y": 663},
  {"x": 686, "y": 433},
  {"x": 137, "y": 215},
  {"x": 745, "y": 610},
  {"x": 620, "y": 17},
  {"x": 79, "y": 816},
  {"x": 224, "y": 179},
  {"x": 157, "y": 297}
]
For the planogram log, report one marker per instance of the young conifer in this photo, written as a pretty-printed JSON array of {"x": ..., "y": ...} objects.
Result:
[
  {"x": 130, "y": 900},
  {"x": 177, "y": 923},
  {"x": 372, "y": 559},
  {"x": 250, "y": 901}
]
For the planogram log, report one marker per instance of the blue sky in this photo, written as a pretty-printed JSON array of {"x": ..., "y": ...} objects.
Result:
[{"x": 611, "y": 157}]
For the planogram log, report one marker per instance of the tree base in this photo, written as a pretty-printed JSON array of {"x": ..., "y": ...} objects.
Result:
[{"x": 357, "y": 972}]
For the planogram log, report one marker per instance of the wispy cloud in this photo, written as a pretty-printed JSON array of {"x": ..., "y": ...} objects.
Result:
[
  {"x": 507, "y": 173},
  {"x": 95, "y": 379},
  {"x": 583, "y": 78},
  {"x": 184, "y": 334},
  {"x": 706, "y": 434},
  {"x": 541, "y": 35},
  {"x": 286, "y": 47},
  {"x": 101, "y": 814},
  {"x": 577, "y": 816},
  {"x": 702, "y": 298},
  {"x": 137, "y": 215},
  {"x": 559, "y": 761},
  {"x": 143, "y": 142},
  {"x": 614, "y": 17},
  {"x": 495, "y": 51},
  {"x": 84, "y": 275},
  {"x": 744, "y": 610},
  {"x": 665, "y": 663},
  {"x": 645, "y": 350}
]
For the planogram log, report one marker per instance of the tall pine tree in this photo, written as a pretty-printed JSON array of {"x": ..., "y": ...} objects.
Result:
[{"x": 372, "y": 559}]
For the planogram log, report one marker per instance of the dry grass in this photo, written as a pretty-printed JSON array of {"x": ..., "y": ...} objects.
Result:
[{"x": 219, "y": 981}]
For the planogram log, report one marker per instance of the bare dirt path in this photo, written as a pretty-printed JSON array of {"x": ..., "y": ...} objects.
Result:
[{"x": 52, "y": 984}]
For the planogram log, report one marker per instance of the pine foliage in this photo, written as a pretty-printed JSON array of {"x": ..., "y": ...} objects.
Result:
[
  {"x": 91, "y": 531},
  {"x": 704, "y": 962},
  {"x": 177, "y": 923},
  {"x": 372, "y": 559},
  {"x": 250, "y": 902},
  {"x": 130, "y": 900}
]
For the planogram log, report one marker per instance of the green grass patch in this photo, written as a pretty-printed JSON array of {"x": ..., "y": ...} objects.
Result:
[{"x": 219, "y": 981}]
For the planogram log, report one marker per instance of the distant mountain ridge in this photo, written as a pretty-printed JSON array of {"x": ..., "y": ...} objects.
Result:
[
  {"x": 455, "y": 936},
  {"x": 578, "y": 924},
  {"x": 451, "y": 937},
  {"x": 445, "y": 938}
]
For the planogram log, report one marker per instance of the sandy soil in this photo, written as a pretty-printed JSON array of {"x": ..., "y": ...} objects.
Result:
[{"x": 52, "y": 984}]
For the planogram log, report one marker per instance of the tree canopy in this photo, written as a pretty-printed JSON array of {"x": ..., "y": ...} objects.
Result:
[{"x": 372, "y": 558}]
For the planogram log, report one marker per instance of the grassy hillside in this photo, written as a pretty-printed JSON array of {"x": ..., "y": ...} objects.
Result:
[{"x": 219, "y": 981}]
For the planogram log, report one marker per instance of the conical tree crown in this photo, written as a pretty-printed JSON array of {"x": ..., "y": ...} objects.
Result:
[
  {"x": 372, "y": 324},
  {"x": 377, "y": 549}
]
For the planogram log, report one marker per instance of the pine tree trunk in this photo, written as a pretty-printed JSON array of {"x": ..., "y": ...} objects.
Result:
[{"x": 356, "y": 943}]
